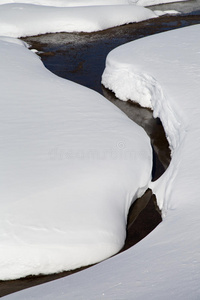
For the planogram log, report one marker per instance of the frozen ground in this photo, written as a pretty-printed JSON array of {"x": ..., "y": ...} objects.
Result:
[{"x": 166, "y": 263}]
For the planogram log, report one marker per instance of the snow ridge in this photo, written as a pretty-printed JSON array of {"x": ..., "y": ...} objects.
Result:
[
  {"x": 71, "y": 165},
  {"x": 42, "y": 19},
  {"x": 140, "y": 87}
]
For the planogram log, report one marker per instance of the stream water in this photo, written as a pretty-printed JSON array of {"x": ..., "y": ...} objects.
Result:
[{"x": 80, "y": 57}]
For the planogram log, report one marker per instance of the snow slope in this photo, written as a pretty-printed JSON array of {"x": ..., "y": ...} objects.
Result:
[
  {"x": 71, "y": 164},
  {"x": 18, "y": 20},
  {"x": 166, "y": 264},
  {"x": 31, "y": 17},
  {"x": 68, "y": 3}
]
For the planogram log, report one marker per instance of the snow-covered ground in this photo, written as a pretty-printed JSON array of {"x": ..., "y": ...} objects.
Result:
[
  {"x": 69, "y": 3},
  {"x": 71, "y": 164},
  {"x": 32, "y": 17},
  {"x": 18, "y": 20},
  {"x": 166, "y": 264}
]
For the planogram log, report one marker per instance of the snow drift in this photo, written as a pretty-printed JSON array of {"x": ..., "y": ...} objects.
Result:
[
  {"x": 166, "y": 263},
  {"x": 18, "y": 20},
  {"x": 68, "y": 3},
  {"x": 71, "y": 165}
]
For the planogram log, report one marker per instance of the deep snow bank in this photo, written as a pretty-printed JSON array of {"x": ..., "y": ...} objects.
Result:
[
  {"x": 18, "y": 20},
  {"x": 163, "y": 76},
  {"x": 32, "y": 17},
  {"x": 165, "y": 265},
  {"x": 71, "y": 164}
]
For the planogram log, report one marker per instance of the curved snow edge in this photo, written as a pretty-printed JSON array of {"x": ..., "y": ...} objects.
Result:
[
  {"x": 17, "y": 20},
  {"x": 129, "y": 84},
  {"x": 142, "y": 88}
]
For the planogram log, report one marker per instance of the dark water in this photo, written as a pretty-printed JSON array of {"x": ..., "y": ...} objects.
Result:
[{"x": 80, "y": 57}]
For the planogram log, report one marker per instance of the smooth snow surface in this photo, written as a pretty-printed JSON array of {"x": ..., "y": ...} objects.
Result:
[
  {"x": 166, "y": 264},
  {"x": 68, "y": 3},
  {"x": 71, "y": 164},
  {"x": 32, "y": 17},
  {"x": 17, "y": 20}
]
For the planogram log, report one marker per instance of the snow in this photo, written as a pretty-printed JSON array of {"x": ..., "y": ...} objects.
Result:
[
  {"x": 166, "y": 263},
  {"x": 156, "y": 2},
  {"x": 18, "y": 20},
  {"x": 70, "y": 3},
  {"x": 171, "y": 12},
  {"x": 32, "y": 17},
  {"x": 71, "y": 165}
]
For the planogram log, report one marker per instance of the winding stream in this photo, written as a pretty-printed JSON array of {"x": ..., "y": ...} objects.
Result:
[{"x": 80, "y": 57}]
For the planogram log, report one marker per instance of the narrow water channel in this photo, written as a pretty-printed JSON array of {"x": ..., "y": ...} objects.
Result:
[{"x": 80, "y": 57}]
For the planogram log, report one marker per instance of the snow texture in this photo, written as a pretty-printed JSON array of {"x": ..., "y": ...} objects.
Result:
[
  {"x": 68, "y": 3},
  {"x": 71, "y": 165},
  {"x": 164, "y": 265},
  {"x": 17, "y": 20},
  {"x": 20, "y": 18}
]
